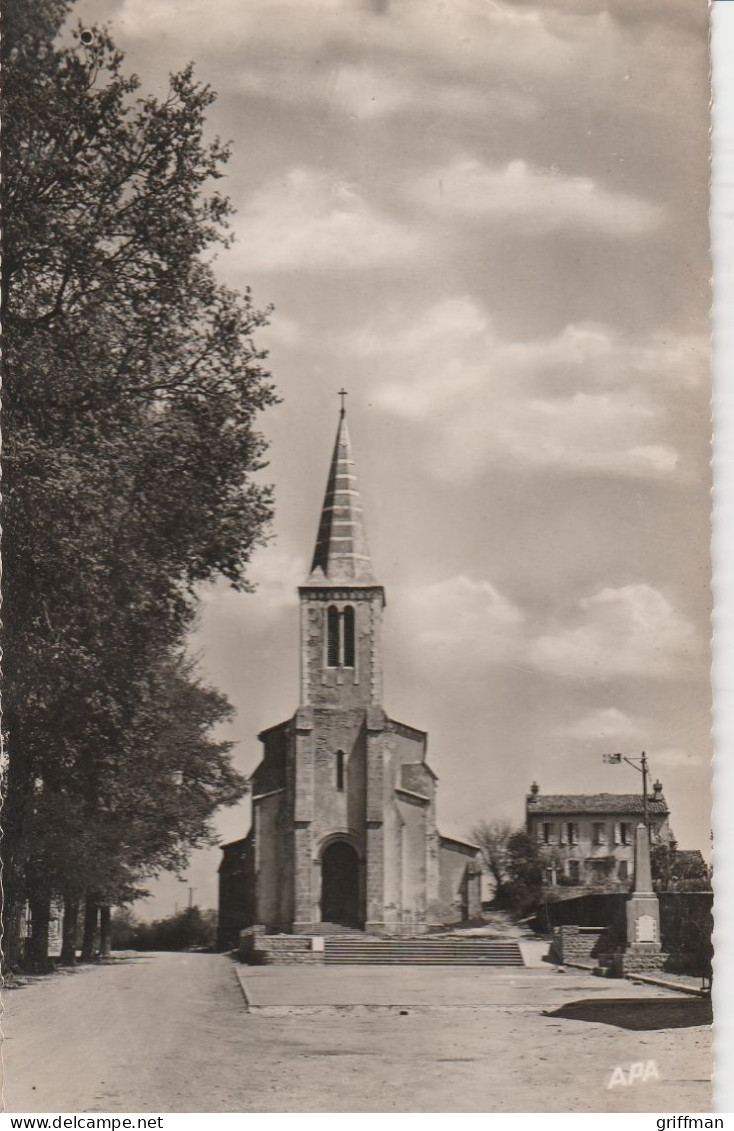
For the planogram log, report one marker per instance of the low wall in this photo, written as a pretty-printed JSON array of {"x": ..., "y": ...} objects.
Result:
[
  {"x": 257, "y": 948},
  {"x": 595, "y": 909},
  {"x": 686, "y": 924},
  {"x": 581, "y": 944}
]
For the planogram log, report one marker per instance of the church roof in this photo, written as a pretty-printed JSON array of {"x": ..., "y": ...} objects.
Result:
[{"x": 342, "y": 556}]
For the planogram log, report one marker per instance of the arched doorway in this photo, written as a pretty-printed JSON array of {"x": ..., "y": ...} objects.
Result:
[{"x": 340, "y": 885}]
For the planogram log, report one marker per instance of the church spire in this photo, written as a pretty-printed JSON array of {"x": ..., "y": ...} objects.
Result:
[{"x": 342, "y": 556}]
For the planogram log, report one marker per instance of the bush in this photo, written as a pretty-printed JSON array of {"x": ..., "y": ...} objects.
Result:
[{"x": 189, "y": 929}]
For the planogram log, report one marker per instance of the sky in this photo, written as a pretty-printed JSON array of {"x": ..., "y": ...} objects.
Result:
[{"x": 487, "y": 220}]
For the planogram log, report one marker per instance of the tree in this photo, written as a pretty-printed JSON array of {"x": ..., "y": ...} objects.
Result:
[
  {"x": 146, "y": 814},
  {"x": 674, "y": 870},
  {"x": 513, "y": 860},
  {"x": 132, "y": 384},
  {"x": 124, "y": 929},
  {"x": 493, "y": 838},
  {"x": 188, "y": 929},
  {"x": 526, "y": 868}
]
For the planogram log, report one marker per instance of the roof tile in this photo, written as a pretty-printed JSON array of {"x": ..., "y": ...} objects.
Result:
[{"x": 581, "y": 803}]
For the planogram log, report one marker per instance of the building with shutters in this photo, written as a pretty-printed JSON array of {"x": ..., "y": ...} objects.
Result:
[
  {"x": 344, "y": 827},
  {"x": 588, "y": 840}
]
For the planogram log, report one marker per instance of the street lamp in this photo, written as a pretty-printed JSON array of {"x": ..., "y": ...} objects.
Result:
[{"x": 639, "y": 764}]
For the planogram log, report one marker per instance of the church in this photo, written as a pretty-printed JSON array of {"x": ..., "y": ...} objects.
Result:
[{"x": 343, "y": 827}]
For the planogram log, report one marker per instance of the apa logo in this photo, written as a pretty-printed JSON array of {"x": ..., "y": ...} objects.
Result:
[{"x": 638, "y": 1073}]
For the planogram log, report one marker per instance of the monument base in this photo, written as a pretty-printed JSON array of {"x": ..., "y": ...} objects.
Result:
[{"x": 638, "y": 958}]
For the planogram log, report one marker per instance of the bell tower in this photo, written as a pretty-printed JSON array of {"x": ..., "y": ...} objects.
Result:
[
  {"x": 344, "y": 827},
  {"x": 341, "y": 603}
]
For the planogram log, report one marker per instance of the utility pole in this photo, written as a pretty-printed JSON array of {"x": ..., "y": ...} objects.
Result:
[
  {"x": 641, "y": 765},
  {"x": 191, "y": 897}
]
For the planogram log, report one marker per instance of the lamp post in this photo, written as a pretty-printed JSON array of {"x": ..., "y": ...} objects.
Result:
[{"x": 640, "y": 764}]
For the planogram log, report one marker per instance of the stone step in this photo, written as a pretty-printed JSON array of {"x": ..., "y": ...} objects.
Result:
[
  {"x": 421, "y": 954},
  {"x": 424, "y": 953},
  {"x": 421, "y": 946},
  {"x": 456, "y": 950},
  {"x": 427, "y": 952},
  {"x": 374, "y": 960}
]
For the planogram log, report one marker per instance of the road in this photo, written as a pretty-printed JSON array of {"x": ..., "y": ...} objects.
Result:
[{"x": 170, "y": 1033}]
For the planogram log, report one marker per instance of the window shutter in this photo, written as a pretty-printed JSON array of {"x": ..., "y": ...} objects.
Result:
[
  {"x": 564, "y": 833},
  {"x": 617, "y": 833},
  {"x": 348, "y": 621},
  {"x": 332, "y": 637},
  {"x": 551, "y": 833}
]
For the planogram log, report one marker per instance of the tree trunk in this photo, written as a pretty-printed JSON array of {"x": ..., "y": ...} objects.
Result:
[
  {"x": 105, "y": 930},
  {"x": 91, "y": 914},
  {"x": 37, "y": 956},
  {"x": 69, "y": 930},
  {"x": 12, "y": 948}
]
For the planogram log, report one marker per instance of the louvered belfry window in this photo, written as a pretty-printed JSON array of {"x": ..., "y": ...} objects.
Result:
[
  {"x": 332, "y": 637},
  {"x": 348, "y": 624},
  {"x": 340, "y": 637}
]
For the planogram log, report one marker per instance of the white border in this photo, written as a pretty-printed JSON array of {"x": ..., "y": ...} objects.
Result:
[{"x": 722, "y": 250}]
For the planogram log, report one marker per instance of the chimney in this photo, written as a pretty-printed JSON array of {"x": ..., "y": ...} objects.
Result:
[
  {"x": 657, "y": 790},
  {"x": 534, "y": 790}
]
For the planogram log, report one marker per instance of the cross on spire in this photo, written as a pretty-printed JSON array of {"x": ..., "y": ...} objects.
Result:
[{"x": 342, "y": 393}]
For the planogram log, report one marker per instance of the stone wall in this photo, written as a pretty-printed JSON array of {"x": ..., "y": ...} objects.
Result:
[
  {"x": 596, "y": 909},
  {"x": 270, "y": 860},
  {"x": 685, "y": 921},
  {"x": 413, "y": 815},
  {"x": 337, "y": 686},
  {"x": 236, "y": 892},
  {"x": 257, "y": 948},
  {"x": 459, "y": 883},
  {"x": 334, "y": 809},
  {"x": 630, "y": 961},
  {"x": 582, "y": 944}
]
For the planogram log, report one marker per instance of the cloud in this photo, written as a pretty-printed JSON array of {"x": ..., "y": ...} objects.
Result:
[
  {"x": 423, "y": 56},
  {"x": 626, "y": 632},
  {"x": 605, "y": 723},
  {"x": 363, "y": 59},
  {"x": 459, "y": 617},
  {"x": 282, "y": 331},
  {"x": 468, "y": 36},
  {"x": 534, "y": 200},
  {"x": 615, "y": 633},
  {"x": 276, "y": 575},
  {"x": 308, "y": 220},
  {"x": 673, "y": 758},
  {"x": 629, "y": 12},
  {"x": 587, "y": 400},
  {"x": 366, "y": 91}
]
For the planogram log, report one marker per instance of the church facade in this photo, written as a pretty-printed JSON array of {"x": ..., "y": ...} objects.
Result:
[{"x": 344, "y": 801}]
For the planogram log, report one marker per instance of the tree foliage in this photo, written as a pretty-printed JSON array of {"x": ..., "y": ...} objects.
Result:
[
  {"x": 511, "y": 857},
  {"x": 132, "y": 384},
  {"x": 673, "y": 870},
  {"x": 493, "y": 839},
  {"x": 526, "y": 867},
  {"x": 188, "y": 929}
]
